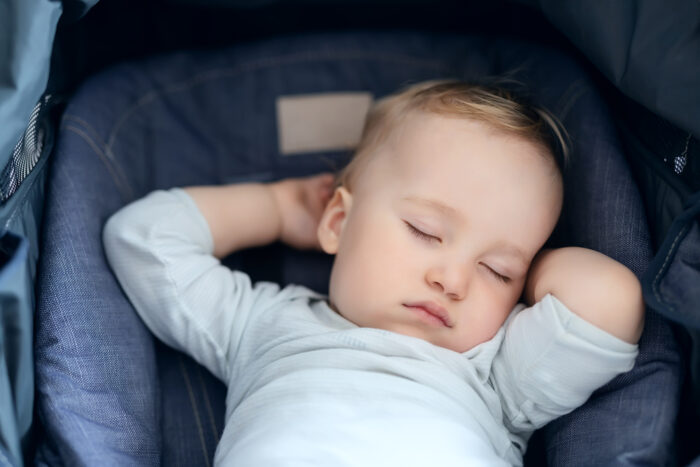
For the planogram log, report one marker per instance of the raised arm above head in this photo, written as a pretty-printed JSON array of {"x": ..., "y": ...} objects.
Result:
[
  {"x": 592, "y": 285},
  {"x": 254, "y": 214}
]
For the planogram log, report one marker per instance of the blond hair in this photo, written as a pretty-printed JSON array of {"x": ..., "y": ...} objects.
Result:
[{"x": 490, "y": 104}]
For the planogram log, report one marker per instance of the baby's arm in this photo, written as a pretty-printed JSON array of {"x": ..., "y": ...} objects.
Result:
[
  {"x": 595, "y": 287},
  {"x": 580, "y": 330},
  {"x": 161, "y": 250},
  {"x": 248, "y": 215}
]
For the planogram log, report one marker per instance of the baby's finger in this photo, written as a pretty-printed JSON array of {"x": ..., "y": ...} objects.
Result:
[
  {"x": 324, "y": 186},
  {"x": 325, "y": 180}
]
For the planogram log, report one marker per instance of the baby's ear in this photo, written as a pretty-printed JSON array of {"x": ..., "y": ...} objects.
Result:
[{"x": 333, "y": 220}]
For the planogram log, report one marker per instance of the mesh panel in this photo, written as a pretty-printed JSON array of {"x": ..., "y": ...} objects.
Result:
[{"x": 26, "y": 153}]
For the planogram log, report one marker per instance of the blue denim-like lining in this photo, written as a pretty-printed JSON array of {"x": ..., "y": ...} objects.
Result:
[
  {"x": 671, "y": 283},
  {"x": 208, "y": 405},
  {"x": 120, "y": 182},
  {"x": 266, "y": 62},
  {"x": 669, "y": 254},
  {"x": 193, "y": 404}
]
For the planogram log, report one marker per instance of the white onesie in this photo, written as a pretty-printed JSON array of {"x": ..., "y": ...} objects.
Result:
[{"x": 307, "y": 387}]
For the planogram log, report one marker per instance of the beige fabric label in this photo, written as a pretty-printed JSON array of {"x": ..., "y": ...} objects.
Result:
[{"x": 321, "y": 122}]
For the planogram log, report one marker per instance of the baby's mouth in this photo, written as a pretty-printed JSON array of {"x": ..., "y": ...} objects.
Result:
[{"x": 432, "y": 311}]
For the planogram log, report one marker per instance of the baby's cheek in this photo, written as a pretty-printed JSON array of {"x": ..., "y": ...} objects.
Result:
[{"x": 349, "y": 286}]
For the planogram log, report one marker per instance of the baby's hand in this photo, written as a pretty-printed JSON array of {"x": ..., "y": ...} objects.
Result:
[{"x": 300, "y": 203}]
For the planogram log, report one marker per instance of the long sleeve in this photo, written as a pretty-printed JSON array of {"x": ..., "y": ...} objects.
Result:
[
  {"x": 551, "y": 361},
  {"x": 160, "y": 249}
]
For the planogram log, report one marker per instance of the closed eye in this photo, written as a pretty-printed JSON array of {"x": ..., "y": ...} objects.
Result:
[
  {"x": 498, "y": 276},
  {"x": 422, "y": 235}
]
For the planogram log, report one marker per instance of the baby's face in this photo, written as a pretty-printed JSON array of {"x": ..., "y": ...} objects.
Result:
[{"x": 436, "y": 239}]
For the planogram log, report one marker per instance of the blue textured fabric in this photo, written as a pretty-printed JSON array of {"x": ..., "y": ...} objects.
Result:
[
  {"x": 108, "y": 395},
  {"x": 672, "y": 282},
  {"x": 26, "y": 39},
  {"x": 19, "y": 251},
  {"x": 15, "y": 379}
]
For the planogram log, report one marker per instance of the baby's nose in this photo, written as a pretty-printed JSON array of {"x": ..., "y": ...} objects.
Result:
[{"x": 453, "y": 281}]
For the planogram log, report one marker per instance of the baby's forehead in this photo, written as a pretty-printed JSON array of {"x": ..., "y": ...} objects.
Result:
[
  {"x": 470, "y": 160},
  {"x": 432, "y": 131},
  {"x": 424, "y": 143}
]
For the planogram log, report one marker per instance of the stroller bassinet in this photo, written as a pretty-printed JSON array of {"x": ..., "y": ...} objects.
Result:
[
  {"x": 101, "y": 390},
  {"x": 109, "y": 394}
]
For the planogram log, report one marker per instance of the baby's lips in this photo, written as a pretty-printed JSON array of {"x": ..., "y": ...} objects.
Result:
[{"x": 434, "y": 309}]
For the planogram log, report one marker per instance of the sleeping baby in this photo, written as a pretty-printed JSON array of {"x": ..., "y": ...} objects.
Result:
[{"x": 448, "y": 334}]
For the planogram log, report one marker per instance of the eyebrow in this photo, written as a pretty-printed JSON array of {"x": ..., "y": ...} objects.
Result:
[
  {"x": 449, "y": 211},
  {"x": 434, "y": 204},
  {"x": 516, "y": 253}
]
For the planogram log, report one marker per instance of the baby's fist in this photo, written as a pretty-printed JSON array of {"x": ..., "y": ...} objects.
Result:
[{"x": 300, "y": 204}]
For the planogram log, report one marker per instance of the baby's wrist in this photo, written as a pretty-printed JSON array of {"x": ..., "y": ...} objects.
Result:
[{"x": 277, "y": 193}]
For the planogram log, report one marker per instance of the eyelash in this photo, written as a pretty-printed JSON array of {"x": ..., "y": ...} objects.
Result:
[
  {"x": 500, "y": 277},
  {"x": 432, "y": 238},
  {"x": 422, "y": 235}
]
